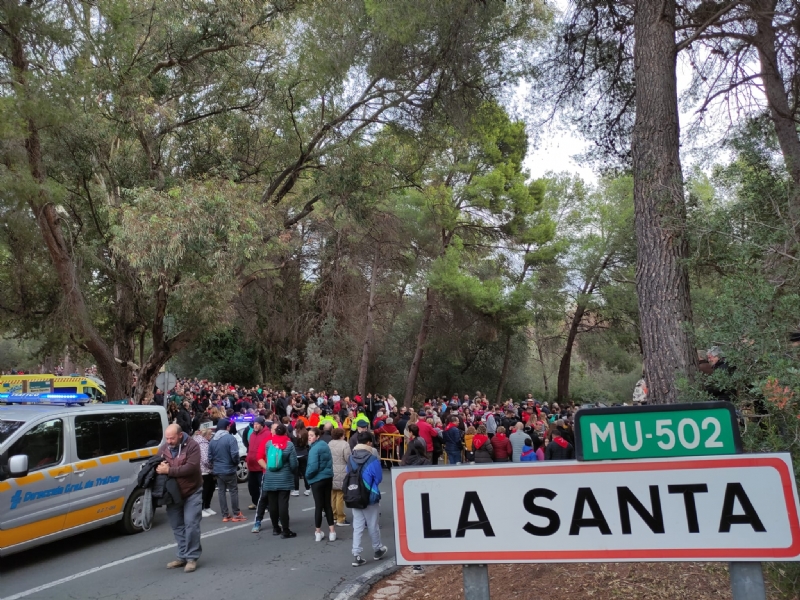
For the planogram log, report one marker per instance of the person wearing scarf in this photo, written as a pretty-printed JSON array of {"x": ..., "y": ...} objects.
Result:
[
  {"x": 502, "y": 449},
  {"x": 482, "y": 446},
  {"x": 452, "y": 437},
  {"x": 559, "y": 448}
]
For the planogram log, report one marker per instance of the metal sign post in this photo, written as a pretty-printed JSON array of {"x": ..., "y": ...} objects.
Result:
[
  {"x": 476, "y": 582},
  {"x": 747, "y": 581}
]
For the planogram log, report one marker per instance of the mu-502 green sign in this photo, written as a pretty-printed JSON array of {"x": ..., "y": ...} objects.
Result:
[{"x": 657, "y": 431}]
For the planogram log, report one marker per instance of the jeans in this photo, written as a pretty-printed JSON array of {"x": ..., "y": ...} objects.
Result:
[
  {"x": 254, "y": 485},
  {"x": 321, "y": 490},
  {"x": 302, "y": 461},
  {"x": 229, "y": 483},
  {"x": 366, "y": 518},
  {"x": 453, "y": 457},
  {"x": 185, "y": 522},
  {"x": 337, "y": 502},
  {"x": 209, "y": 482}
]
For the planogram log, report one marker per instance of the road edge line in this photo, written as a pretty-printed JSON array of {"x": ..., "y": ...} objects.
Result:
[{"x": 356, "y": 589}]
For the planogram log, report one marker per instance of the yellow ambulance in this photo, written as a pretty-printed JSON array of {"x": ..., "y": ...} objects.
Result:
[{"x": 32, "y": 384}]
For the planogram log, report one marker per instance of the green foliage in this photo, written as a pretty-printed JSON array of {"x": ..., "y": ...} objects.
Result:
[
  {"x": 602, "y": 385},
  {"x": 746, "y": 293},
  {"x": 17, "y": 355},
  {"x": 326, "y": 364},
  {"x": 224, "y": 356}
]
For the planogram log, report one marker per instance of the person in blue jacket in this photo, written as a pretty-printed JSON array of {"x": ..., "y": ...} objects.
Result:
[
  {"x": 223, "y": 453},
  {"x": 367, "y": 518},
  {"x": 319, "y": 475},
  {"x": 452, "y": 441}
]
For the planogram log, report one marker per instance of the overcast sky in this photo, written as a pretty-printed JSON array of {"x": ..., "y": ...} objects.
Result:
[{"x": 556, "y": 149}]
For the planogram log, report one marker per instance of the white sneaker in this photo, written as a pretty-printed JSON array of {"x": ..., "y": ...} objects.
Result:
[
  {"x": 307, "y": 492},
  {"x": 332, "y": 536},
  {"x": 205, "y": 513},
  {"x": 318, "y": 536},
  {"x": 211, "y": 511},
  {"x": 295, "y": 493}
]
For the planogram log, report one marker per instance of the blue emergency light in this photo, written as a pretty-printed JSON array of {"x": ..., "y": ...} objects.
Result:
[{"x": 46, "y": 399}]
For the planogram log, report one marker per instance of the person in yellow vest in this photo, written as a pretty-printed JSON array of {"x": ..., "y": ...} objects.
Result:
[
  {"x": 328, "y": 419},
  {"x": 360, "y": 417},
  {"x": 347, "y": 424}
]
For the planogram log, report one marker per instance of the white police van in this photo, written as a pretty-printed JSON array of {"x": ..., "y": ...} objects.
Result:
[{"x": 66, "y": 467}]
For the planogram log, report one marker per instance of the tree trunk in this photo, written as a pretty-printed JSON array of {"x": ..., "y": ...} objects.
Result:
[
  {"x": 373, "y": 282},
  {"x": 544, "y": 371},
  {"x": 421, "y": 337},
  {"x": 562, "y": 383},
  {"x": 778, "y": 100},
  {"x": 146, "y": 380},
  {"x": 504, "y": 372},
  {"x": 48, "y": 221},
  {"x": 163, "y": 348},
  {"x": 125, "y": 327},
  {"x": 662, "y": 281}
]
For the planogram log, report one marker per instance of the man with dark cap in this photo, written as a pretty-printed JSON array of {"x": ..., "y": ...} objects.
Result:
[
  {"x": 361, "y": 426},
  {"x": 255, "y": 472}
]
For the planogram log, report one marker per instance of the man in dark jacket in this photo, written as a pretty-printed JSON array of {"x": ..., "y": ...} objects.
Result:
[
  {"x": 416, "y": 453},
  {"x": 184, "y": 418},
  {"x": 223, "y": 452},
  {"x": 182, "y": 462},
  {"x": 402, "y": 421},
  {"x": 559, "y": 448},
  {"x": 510, "y": 420},
  {"x": 452, "y": 441}
]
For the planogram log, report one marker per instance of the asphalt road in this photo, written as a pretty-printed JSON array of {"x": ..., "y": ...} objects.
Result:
[{"x": 235, "y": 564}]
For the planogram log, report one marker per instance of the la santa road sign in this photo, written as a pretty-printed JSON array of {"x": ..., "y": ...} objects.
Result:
[{"x": 716, "y": 508}]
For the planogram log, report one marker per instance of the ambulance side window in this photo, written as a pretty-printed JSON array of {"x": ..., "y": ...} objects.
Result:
[
  {"x": 100, "y": 435},
  {"x": 44, "y": 445}
]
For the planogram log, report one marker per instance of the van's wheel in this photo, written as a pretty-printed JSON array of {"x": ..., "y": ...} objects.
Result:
[{"x": 134, "y": 513}]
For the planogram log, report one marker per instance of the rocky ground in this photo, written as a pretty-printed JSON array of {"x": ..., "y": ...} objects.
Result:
[{"x": 585, "y": 581}]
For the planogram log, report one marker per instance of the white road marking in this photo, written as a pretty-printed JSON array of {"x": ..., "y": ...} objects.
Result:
[
  {"x": 304, "y": 510},
  {"x": 122, "y": 561}
]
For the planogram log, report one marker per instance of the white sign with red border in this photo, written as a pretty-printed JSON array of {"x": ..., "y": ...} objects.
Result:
[{"x": 724, "y": 508}]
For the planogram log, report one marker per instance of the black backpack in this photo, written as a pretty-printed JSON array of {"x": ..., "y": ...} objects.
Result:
[{"x": 355, "y": 491}]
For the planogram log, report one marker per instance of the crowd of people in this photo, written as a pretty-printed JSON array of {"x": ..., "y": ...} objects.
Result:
[{"x": 337, "y": 447}]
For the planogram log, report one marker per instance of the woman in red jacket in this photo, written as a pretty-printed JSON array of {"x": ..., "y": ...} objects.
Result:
[{"x": 501, "y": 446}]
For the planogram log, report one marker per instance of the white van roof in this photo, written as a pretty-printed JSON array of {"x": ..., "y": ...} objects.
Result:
[{"x": 26, "y": 412}]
